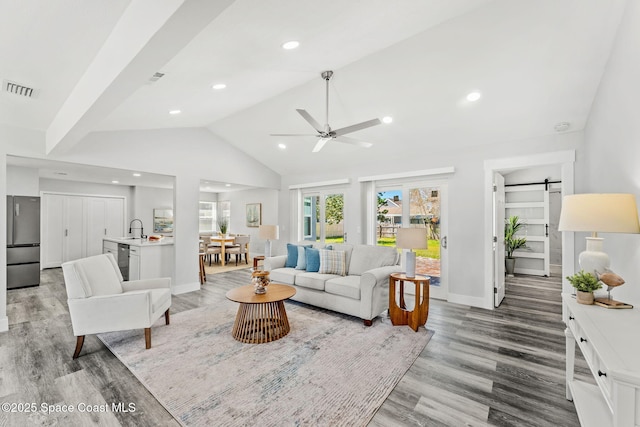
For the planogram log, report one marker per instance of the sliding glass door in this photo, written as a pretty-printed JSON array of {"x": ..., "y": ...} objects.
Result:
[{"x": 417, "y": 205}]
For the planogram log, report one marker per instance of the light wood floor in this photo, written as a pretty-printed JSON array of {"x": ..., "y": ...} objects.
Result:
[{"x": 502, "y": 367}]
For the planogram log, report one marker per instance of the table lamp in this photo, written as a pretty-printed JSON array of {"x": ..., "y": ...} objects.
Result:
[
  {"x": 605, "y": 213},
  {"x": 411, "y": 238},
  {"x": 269, "y": 233}
]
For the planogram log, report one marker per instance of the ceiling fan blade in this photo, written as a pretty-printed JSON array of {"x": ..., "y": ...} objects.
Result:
[
  {"x": 353, "y": 128},
  {"x": 291, "y": 134},
  {"x": 310, "y": 119},
  {"x": 354, "y": 141},
  {"x": 320, "y": 144}
]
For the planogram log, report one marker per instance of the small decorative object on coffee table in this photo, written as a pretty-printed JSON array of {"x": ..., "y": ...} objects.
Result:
[
  {"x": 261, "y": 318},
  {"x": 398, "y": 313},
  {"x": 260, "y": 281}
]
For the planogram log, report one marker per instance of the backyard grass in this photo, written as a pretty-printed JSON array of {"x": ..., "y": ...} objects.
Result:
[{"x": 433, "y": 250}]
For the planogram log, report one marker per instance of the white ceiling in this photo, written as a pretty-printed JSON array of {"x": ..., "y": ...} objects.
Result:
[{"x": 536, "y": 62}]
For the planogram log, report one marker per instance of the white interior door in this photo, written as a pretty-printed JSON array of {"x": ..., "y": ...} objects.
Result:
[
  {"x": 531, "y": 204},
  {"x": 498, "y": 238},
  {"x": 53, "y": 224},
  {"x": 74, "y": 236}
]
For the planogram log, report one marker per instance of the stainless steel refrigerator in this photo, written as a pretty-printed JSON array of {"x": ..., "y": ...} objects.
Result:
[{"x": 23, "y": 241}]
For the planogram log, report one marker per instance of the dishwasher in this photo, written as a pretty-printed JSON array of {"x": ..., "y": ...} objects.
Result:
[{"x": 123, "y": 260}]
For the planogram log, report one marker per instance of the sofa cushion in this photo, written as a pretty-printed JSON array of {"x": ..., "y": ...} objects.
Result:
[
  {"x": 312, "y": 256},
  {"x": 292, "y": 255},
  {"x": 302, "y": 259},
  {"x": 285, "y": 275},
  {"x": 313, "y": 280},
  {"x": 365, "y": 258},
  {"x": 347, "y": 286},
  {"x": 332, "y": 262}
]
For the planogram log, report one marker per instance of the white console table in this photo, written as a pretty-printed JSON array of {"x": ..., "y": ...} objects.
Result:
[{"x": 610, "y": 342}]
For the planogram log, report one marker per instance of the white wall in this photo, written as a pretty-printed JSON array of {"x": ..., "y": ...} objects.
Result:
[
  {"x": 145, "y": 200},
  {"x": 22, "y": 181},
  {"x": 612, "y": 138},
  {"x": 268, "y": 198},
  {"x": 466, "y": 201}
]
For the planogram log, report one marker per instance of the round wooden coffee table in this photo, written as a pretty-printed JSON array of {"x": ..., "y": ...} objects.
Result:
[{"x": 261, "y": 318}]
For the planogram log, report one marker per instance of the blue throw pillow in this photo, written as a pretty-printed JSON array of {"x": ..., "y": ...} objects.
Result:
[
  {"x": 312, "y": 256},
  {"x": 292, "y": 255}
]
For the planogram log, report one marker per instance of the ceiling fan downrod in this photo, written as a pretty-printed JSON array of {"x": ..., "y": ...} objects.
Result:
[{"x": 326, "y": 75}]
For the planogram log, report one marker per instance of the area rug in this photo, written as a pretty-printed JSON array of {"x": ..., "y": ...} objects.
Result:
[{"x": 329, "y": 370}]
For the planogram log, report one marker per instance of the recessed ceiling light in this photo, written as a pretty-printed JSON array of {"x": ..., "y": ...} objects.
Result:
[
  {"x": 292, "y": 44},
  {"x": 219, "y": 86},
  {"x": 60, "y": 173},
  {"x": 137, "y": 174},
  {"x": 115, "y": 182},
  {"x": 473, "y": 96},
  {"x": 562, "y": 126},
  {"x": 175, "y": 112},
  {"x": 282, "y": 146},
  {"x": 227, "y": 185},
  {"x": 387, "y": 119}
]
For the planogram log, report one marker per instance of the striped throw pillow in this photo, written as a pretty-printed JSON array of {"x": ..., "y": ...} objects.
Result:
[{"x": 332, "y": 262}]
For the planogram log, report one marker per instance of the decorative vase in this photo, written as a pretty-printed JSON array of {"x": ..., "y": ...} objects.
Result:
[
  {"x": 509, "y": 265},
  {"x": 584, "y": 297},
  {"x": 260, "y": 281}
]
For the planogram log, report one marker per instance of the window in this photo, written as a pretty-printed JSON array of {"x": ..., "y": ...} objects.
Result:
[
  {"x": 323, "y": 217},
  {"x": 208, "y": 217}
]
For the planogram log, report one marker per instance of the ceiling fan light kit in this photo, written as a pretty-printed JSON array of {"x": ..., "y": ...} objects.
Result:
[{"x": 325, "y": 133}]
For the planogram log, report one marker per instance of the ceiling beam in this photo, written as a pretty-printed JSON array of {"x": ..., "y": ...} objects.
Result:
[{"x": 147, "y": 36}]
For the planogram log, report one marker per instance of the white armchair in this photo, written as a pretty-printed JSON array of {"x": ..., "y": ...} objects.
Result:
[{"x": 100, "y": 301}]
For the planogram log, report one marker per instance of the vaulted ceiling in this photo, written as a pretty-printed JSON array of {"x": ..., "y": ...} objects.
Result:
[{"x": 535, "y": 62}]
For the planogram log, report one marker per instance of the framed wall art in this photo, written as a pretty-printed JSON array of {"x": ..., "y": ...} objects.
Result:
[{"x": 254, "y": 214}]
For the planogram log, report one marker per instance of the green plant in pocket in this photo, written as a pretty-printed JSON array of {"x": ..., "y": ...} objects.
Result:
[
  {"x": 584, "y": 281},
  {"x": 511, "y": 242}
]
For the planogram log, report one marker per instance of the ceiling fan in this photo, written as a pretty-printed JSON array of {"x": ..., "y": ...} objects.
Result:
[{"x": 325, "y": 133}]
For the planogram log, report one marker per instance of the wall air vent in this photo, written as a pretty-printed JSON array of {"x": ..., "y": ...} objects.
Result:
[{"x": 18, "y": 89}]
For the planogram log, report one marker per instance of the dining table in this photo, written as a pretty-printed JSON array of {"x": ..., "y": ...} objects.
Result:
[{"x": 223, "y": 240}]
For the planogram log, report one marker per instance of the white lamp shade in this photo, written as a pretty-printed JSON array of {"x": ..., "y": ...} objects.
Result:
[
  {"x": 269, "y": 232},
  {"x": 411, "y": 238},
  {"x": 607, "y": 213}
]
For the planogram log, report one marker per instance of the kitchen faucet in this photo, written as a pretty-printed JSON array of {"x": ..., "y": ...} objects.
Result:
[{"x": 142, "y": 236}]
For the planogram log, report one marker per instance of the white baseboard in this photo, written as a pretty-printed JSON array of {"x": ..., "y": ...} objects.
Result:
[
  {"x": 184, "y": 288},
  {"x": 467, "y": 300},
  {"x": 4, "y": 324}
]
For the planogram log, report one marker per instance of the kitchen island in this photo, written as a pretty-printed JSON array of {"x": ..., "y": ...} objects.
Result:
[{"x": 142, "y": 258}]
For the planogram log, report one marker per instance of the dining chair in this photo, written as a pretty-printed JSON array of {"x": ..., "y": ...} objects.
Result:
[{"x": 241, "y": 247}]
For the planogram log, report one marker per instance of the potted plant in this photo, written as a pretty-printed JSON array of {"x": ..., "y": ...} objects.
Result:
[
  {"x": 223, "y": 225},
  {"x": 585, "y": 283},
  {"x": 511, "y": 242}
]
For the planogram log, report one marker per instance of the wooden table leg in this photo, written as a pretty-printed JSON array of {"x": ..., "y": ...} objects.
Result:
[{"x": 260, "y": 323}]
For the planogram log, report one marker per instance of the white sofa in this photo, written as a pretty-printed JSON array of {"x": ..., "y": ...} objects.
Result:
[{"x": 362, "y": 292}]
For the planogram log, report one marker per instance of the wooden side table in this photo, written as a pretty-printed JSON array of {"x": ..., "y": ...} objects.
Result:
[
  {"x": 399, "y": 314},
  {"x": 261, "y": 318}
]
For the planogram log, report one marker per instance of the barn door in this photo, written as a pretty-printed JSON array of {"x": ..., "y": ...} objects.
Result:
[{"x": 531, "y": 204}]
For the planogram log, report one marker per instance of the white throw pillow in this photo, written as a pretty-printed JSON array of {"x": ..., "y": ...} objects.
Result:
[{"x": 302, "y": 259}]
